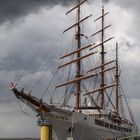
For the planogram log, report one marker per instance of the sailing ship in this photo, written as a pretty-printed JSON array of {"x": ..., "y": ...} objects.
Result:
[{"x": 95, "y": 110}]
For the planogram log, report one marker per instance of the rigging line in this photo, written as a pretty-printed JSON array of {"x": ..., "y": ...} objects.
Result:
[
  {"x": 83, "y": 32},
  {"x": 95, "y": 85},
  {"x": 84, "y": 25},
  {"x": 55, "y": 88},
  {"x": 68, "y": 93},
  {"x": 21, "y": 109},
  {"x": 95, "y": 80},
  {"x": 90, "y": 59},
  {"x": 49, "y": 84},
  {"x": 51, "y": 99},
  {"x": 124, "y": 77},
  {"x": 97, "y": 98},
  {"x": 39, "y": 78},
  {"x": 64, "y": 95},
  {"x": 111, "y": 93},
  {"x": 63, "y": 69},
  {"x": 36, "y": 52},
  {"x": 42, "y": 63},
  {"x": 51, "y": 49},
  {"x": 122, "y": 105},
  {"x": 122, "y": 88},
  {"x": 67, "y": 87},
  {"x": 98, "y": 95},
  {"x": 87, "y": 40},
  {"x": 109, "y": 98},
  {"x": 72, "y": 42},
  {"x": 70, "y": 59},
  {"x": 49, "y": 52},
  {"x": 62, "y": 62},
  {"x": 89, "y": 62},
  {"x": 91, "y": 98},
  {"x": 87, "y": 24},
  {"x": 111, "y": 73},
  {"x": 127, "y": 103}
]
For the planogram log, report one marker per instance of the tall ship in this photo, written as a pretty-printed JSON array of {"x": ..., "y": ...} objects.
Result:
[{"x": 92, "y": 97}]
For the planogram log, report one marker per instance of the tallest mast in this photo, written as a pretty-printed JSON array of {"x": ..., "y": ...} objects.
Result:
[
  {"x": 78, "y": 37},
  {"x": 78, "y": 77}
]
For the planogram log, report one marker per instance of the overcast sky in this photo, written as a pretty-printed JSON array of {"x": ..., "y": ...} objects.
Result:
[{"x": 31, "y": 40}]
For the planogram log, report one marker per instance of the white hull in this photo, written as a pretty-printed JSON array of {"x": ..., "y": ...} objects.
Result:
[{"x": 84, "y": 128}]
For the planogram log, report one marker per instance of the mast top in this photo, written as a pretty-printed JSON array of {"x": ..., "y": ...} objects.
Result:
[
  {"x": 102, "y": 3},
  {"x": 79, "y": 4}
]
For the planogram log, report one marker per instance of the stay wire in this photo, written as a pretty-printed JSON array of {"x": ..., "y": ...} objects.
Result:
[
  {"x": 86, "y": 90},
  {"x": 69, "y": 95},
  {"x": 69, "y": 72},
  {"x": 27, "y": 114},
  {"x": 17, "y": 79},
  {"x": 53, "y": 76},
  {"x": 46, "y": 56},
  {"x": 127, "y": 103},
  {"x": 49, "y": 84}
]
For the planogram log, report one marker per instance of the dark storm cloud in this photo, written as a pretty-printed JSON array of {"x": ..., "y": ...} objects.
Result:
[{"x": 13, "y": 9}]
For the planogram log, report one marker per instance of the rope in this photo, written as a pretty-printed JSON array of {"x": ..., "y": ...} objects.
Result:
[
  {"x": 91, "y": 98},
  {"x": 49, "y": 84},
  {"x": 130, "y": 112},
  {"x": 17, "y": 78},
  {"x": 45, "y": 58}
]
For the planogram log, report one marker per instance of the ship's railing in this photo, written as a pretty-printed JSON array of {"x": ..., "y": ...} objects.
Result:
[
  {"x": 134, "y": 137},
  {"x": 58, "y": 105}
]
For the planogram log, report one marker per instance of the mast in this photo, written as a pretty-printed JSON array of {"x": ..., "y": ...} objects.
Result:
[
  {"x": 78, "y": 52},
  {"x": 78, "y": 37},
  {"x": 117, "y": 80},
  {"x": 102, "y": 66},
  {"x": 77, "y": 61},
  {"x": 102, "y": 77}
]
